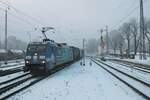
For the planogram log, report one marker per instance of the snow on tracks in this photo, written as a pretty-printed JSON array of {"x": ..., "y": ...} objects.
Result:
[
  {"x": 137, "y": 85},
  {"x": 79, "y": 83}
]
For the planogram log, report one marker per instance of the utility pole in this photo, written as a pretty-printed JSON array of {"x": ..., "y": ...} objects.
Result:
[
  {"x": 142, "y": 32},
  {"x": 6, "y": 49},
  {"x": 6, "y": 29},
  {"x": 102, "y": 43},
  {"x": 83, "y": 52},
  {"x": 107, "y": 40}
]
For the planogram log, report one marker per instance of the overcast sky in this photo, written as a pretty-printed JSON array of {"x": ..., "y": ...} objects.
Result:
[{"x": 72, "y": 19}]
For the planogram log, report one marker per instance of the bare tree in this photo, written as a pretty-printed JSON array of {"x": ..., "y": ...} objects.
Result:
[
  {"x": 130, "y": 32},
  {"x": 91, "y": 46},
  {"x": 125, "y": 29},
  {"x": 134, "y": 30},
  {"x": 116, "y": 40},
  {"x": 147, "y": 32}
]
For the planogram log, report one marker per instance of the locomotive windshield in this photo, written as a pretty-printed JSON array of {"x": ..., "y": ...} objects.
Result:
[{"x": 36, "y": 47}]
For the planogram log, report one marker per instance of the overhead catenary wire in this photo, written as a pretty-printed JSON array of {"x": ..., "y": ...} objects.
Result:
[
  {"x": 124, "y": 18},
  {"x": 21, "y": 19},
  {"x": 18, "y": 19},
  {"x": 122, "y": 3},
  {"x": 23, "y": 13},
  {"x": 128, "y": 14}
]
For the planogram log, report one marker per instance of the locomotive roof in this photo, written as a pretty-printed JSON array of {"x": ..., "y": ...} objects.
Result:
[
  {"x": 45, "y": 42},
  {"x": 51, "y": 43}
]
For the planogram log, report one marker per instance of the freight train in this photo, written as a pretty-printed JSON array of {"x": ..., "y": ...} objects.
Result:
[{"x": 47, "y": 55}]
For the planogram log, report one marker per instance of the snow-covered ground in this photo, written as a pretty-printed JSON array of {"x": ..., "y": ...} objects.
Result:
[
  {"x": 12, "y": 67},
  {"x": 10, "y": 76},
  {"x": 144, "y": 89},
  {"x": 11, "y": 63},
  {"x": 136, "y": 60},
  {"x": 79, "y": 83},
  {"x": 131, "y": 71}
]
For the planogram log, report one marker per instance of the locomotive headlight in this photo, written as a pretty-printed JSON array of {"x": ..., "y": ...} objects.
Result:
[
  {"x": 28, "y": 57},
  {"x": 42, "y": 57},
  {"x": 43, "y": 62},
  {"x": 27, "y": 62}
]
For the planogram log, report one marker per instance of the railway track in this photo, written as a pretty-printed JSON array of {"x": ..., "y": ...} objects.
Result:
[
  {"x": 11, "y": 89},
  {"x": 11, "y": 65},
  {"x": 131, "y": 66},
  {"x": 22, "y": 82},
  {"x": 141, "y": 66},
  {"x": 139, "y": 86},
  {"x": 13, "y": 79},
  {"x": 11, "y": 71},
  {"x": 17, "y": 84}
]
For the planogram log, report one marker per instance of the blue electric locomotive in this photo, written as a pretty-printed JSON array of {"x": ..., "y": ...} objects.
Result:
[{"x": 44, "y": 56}]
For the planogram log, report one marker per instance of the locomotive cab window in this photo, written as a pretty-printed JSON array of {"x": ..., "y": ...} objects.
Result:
[{"x": 36, "y": 48}]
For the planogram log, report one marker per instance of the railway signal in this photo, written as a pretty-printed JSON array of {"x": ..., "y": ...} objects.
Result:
[{"x": 103, "y": 44}]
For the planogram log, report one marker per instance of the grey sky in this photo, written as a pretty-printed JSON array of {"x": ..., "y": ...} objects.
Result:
[{"x": 73, "y": 19}]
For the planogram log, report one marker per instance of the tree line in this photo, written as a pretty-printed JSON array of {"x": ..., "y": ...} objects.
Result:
[{"x": 127, "y": 37}]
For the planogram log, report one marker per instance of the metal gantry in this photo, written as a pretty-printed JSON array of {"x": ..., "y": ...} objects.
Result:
[{"x": 142, "y": 33}]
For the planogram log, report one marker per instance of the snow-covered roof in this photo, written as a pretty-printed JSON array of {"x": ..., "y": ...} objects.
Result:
[
  {"x": 16, "y": 51},
  {"x": 3, "y": 51},
  {"x": 12, "y": 50}
]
